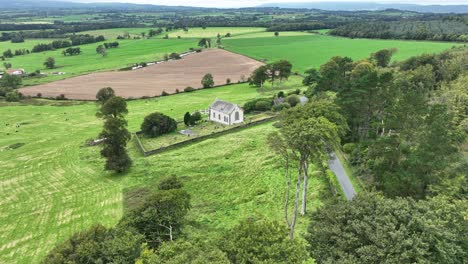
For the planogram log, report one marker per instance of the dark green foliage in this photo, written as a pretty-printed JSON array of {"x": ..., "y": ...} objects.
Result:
[
  {"x": 183, "y": 252},
  {"x": 280, "y": 94},
  {"x": 441, "y": 29},
  {"x": 7, "y": 65},
  {"x": 195, "y": 118},
  {"x": 10, "y": 81},
  {"x": 373, "y": 229},
  {"x": 8, "y": 53},
  {"x": 101, "y": 50},
  {"x": 13, "y": 96},
  {"x": 98, "y": 245},
  {"x": 116, "y": 134},
  {"x": 157, "y": 124},
  {"x": 383, "y": 57},
  {"x": 205, "y": 43},
  {"x": 187, "y": 118},
  {"x": 260, "y": 104},
  {"x": 312, "y": 77},
  {"x": 259, "y": 76},
  {"x": 279, "y": 107},
  {"x": 170, "y": 183},
  {"x": 174, "y": 56},
  {"x": 161, "y": 216},
  {"x": 72, "y": 51},
  {"x": 261, "y": 242},
  {"x": 189, "y": 89},
  {"x": 105, "y": 94},
  {"x": 111, "y": 45},
  {"x": 50, "y": 63},
  {"x": 293, "y": 100},
  {"x": 207, "y": 81},
  {"x": 114, "y": 106}
]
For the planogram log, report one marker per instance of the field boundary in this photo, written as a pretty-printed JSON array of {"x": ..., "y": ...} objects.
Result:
[{"x": 147, "y": 153}]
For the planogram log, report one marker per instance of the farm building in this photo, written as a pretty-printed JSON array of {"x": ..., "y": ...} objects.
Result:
[
  {"x": 226, "y": 113},
  {"x": 15, "y": 71}
]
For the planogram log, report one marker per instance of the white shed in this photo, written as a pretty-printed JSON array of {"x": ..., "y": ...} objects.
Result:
[{"x": 226, "y": 113}]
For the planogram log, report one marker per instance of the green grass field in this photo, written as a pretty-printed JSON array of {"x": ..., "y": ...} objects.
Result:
[
  {"x": 128, "y": 53},
  {"x": 27, "y": 44},
  {"x": 52, "y": 187},
  {"x": 212, "y": 32},
  {"x": 311, "y": 51},
  {"x": 113, "y": 33}
]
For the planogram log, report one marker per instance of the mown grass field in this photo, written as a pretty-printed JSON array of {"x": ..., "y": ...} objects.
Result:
[
  {"x": 27, "y": 44},
  {"x": 52, "y": 187},
  {"x": 212, "y": 32},
  {"x": 128, "y": 53},
  {"x": 311, "y": 51},
  {"x": 113, "y": 33}
]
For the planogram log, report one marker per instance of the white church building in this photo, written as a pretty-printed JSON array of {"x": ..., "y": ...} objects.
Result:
[{"x": 225, "y": 113}]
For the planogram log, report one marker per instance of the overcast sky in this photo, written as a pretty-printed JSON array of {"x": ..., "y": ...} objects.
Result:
[{"x": 247, "y": 3}]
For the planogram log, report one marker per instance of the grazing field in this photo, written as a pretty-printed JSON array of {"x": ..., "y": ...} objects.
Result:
[
  {"x": 153, "y": 80},
  {"x": 212, "y": 32},
  {"x": 51, "y": 186},
  {"x": 27, "y": 44},
  {"x": 313, "y": 50},
  {"x": 113, "y": 33},
  {"x": 128, "y": 53}
]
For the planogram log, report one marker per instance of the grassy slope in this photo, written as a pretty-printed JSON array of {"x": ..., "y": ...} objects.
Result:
[
  {"x": 27, "y": 44},
  {"x": 128, "y": 53},
  {"x": 313, "y": 50},
  {"x": 52, "y": 187}
]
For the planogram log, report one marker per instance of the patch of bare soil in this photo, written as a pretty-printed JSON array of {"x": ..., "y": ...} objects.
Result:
[{"x": 153, "y": 80}]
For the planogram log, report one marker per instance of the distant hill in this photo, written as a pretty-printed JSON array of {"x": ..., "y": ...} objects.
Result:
[{"x": 354, "y": 6}]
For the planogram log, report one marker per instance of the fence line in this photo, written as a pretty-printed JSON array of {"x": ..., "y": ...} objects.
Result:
[{"x": 197, "y": 139}]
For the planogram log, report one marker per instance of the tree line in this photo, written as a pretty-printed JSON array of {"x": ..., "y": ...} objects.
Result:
[{"x": 438, "y": 30}]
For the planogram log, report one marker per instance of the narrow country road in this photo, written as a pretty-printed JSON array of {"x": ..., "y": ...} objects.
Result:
[{"x": 335, "y": 165}]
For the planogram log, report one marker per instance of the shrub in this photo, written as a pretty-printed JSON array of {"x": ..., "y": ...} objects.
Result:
[
  {"x": 252, "y": 105},
  {"x": 61, "y": 97},
  {"x": 170, "y": 183},
  {"x": 13, "y": 96},
  {"x": 38, "y": 95},
  {"x": 348, "y": 148},
  {"x": 263, "y": 105},
  {"x": 157, "y": 124},
  {"x": 164, "y": 93},
  {"x": 293, "y": 100},
  {"x": 279, "y": 107},
  {"x": 280, "y": 94},
  {"x": 228, "y": 81},
  {"x": 189, "y": 89},
  {"x": 195, "y": 118}
]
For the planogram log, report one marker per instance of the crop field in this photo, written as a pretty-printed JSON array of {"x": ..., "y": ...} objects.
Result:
[
  {"x": 153, "y": 80},
  {"x": 51, "y": 186},
  {"x": 128, "y": 53},
  {"x": 311, "y": 51}
]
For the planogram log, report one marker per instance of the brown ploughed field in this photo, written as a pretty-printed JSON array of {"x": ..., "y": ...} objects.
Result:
[{"x": 153, "y": 80}]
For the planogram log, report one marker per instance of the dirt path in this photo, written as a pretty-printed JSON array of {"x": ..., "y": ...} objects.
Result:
[{"x": 153, "y": 80}]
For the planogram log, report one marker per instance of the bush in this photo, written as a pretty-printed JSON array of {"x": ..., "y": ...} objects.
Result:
[
  {"x": 252, "y": 105},
  {"x": 263, "y": 105},
  {"x": 195, "y": 118},
  {"x": 13, "y": 96},
  {"x": 348, "y": 148},
  {"x": 157, "y": 124},
  {"x": 293, "y": 100},
  {"x": 279, "y": 107},
  {"x": 189, "y": 89},
  {"x": 228, "y": 81},
  {"x": 280, "y": 94},
  {"x": 61, "y": 97},
  {"x": 170, "y": 183},
  {"x": 164, "y": 93}
]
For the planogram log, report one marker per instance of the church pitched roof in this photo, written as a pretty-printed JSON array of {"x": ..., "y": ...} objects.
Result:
[{"x": 223, "y": 106}]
